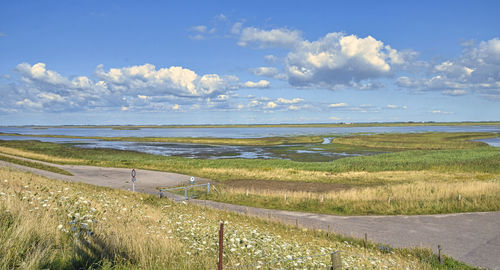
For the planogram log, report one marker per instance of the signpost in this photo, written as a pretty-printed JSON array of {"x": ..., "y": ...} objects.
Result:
[
  {"x": 191, "y": 181},
  {"x": 133, "y": 180}
]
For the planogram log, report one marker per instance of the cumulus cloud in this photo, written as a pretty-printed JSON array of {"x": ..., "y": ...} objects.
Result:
[
  {"x": 477, "y": 69},
  {"x": 338, "y": 60},
  {"x": 177, "y": 81},
  {"x": 135, "y": 87},
  {"x": 259, "y": 84},
  {"x": 281, "y": 37},
  {"x": 271, "y": 105}
]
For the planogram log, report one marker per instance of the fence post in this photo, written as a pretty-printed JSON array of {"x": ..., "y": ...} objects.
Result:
[
  {"x": 159, "y": 193},
  {"x": 185, "y": 193},
  {"x": 221, "y": 242},
  {"x": 439, "y": 255},
  {"x": 336, "y": 261},
  {"x": 208, "y": 187},
  {"x": 365, "y": 240}
]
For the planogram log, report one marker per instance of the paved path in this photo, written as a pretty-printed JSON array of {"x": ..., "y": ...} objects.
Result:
[{"x": 470, "y": 237}]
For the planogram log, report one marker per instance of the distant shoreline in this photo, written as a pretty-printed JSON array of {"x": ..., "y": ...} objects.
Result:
[{"x": 312, "y": 125}]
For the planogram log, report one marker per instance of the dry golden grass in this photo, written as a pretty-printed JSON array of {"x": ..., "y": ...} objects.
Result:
[
  {"x": 344, "y": 177},
  {"x": 37, "y": 156},
  {"x": 408, "y": 192},
  {"x": 419, "y": 197}
]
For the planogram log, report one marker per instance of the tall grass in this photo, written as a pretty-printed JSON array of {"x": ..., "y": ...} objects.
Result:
[
  {"x": 400, "y": 199},
  {"x": 62, "y": 225}
]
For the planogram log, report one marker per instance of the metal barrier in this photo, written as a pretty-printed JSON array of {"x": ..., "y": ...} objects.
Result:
[{"x": 185, "y": 188}]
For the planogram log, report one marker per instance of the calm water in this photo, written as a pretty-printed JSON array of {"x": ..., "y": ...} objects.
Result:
[
  {"x": 218, "y": 152},
  {"x": 240, "y": 132}
]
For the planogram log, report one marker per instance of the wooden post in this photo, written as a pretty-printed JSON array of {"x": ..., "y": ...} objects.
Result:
[
  {"x": 221, "y": 245},
  {"x": 336, "y": 261},
  {"x": 439, "y": 255},
  {"x": 365, "y": 240}
]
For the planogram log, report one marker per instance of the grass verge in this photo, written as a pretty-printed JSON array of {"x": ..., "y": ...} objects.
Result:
[
  {"x": 53, "y": 224},
  {"x": 35, "y": 165}
]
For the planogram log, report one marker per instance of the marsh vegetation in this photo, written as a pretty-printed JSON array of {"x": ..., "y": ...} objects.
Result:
[{"x": 418, "y": 174}]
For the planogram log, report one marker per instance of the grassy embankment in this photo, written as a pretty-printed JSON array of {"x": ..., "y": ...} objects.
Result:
[
  {"x": 35, "y": 165},
  {"x": 429, "y": 173},
  {"x": 53, "y": 224}
]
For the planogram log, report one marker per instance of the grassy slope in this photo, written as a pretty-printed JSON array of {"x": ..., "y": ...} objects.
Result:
[
  {"x": 35, "y": 165},
  {"x": 53, "y": 224}
]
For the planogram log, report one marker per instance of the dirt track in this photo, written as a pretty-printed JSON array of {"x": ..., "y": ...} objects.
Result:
[{"x": 470, "y": 237}]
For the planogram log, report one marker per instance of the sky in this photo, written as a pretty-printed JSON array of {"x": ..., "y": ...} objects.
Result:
[{"x": 248, "y": 62}]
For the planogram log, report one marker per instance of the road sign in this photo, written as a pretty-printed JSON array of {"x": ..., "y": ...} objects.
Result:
[
  {"x": 133, "y": 180},
  {"x": 191, "y": 181}
]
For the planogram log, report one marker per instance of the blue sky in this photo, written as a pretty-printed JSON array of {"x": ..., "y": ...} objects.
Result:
[{"x": 202, "y": 62}]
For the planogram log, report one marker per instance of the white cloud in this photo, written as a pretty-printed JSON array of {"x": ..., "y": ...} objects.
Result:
[
  {"x": 199, "y": 28},
  {"x": 143, "y": 87},
  {"x": 176, "y": 107},
  {"x": 221, "y": 17},
  {"x": 271, "y": 72},
  {"x": 456, "y": 92},
  {"x": 392, "y": 106},
  {"x": 28, "y": 103},
  {"x": 236, "y": 28},
  {"x": 177, "y": 81},
  {"x": 337, "y": 60},
  {"x": 271, "y": 105},
  {"x": 334, "y": 118},
  {"x": 124, "y": 108},
  {"x": 259, "y": 84},
  {"x": 477, "y": 70},
  {"x": 338, "y": 105},
  {"x": 2, "y": 34},
  {"x": 271, "y": 59},
  {"x": 280, "y": 37},
  {"x": 38, "y": 72},
  {"x": 440, "y": 112},
  {"x": 289, "y": 101}
]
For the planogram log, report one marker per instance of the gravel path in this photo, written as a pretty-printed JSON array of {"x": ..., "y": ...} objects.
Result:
[{"x": 473, "y": 238}]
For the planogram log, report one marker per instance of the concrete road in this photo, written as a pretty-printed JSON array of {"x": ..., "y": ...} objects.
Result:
[{"x": 473, "y": 238}]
